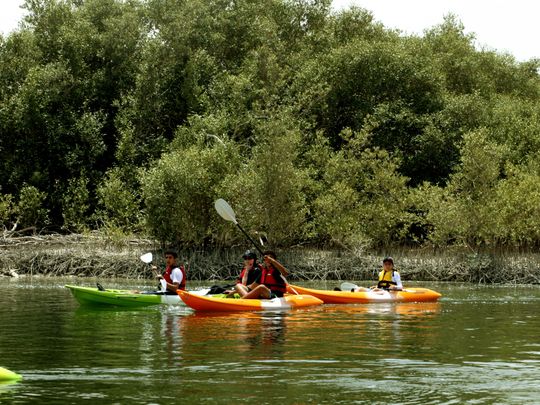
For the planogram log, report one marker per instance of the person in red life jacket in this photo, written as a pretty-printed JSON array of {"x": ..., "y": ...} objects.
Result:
[
  {"x": 174, "y": 277},
  {"x": 271, "y": 283},
  {"x": 249, "y": 274}
]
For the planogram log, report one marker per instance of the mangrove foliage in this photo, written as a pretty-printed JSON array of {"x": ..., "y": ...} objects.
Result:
[{"x": 320, "y": 127}]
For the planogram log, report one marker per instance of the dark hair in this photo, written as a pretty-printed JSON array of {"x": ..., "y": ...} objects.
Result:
[
  {"x": 172, "y": 253},
  {"x": 388, "y": 259},
  {"x": 248, "y": 254},
  {"x": 270, "y": 253}
]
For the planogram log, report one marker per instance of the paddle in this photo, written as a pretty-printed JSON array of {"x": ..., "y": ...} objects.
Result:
[
  {"x": 148, "y": 258},
  {"x": 227, "y": 213},
  {"x": 346, "y": 286}
]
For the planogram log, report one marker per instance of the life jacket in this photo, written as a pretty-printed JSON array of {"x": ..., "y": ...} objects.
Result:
[
  {"x": 253, "y": 275},
  {"x": 386, "y": 279},
  {"x": 168, "y": 279},
  {"x": 271, "y": 277}
]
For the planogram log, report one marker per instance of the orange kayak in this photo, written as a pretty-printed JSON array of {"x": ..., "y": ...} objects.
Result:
[
  {"x": 366, "y": 297},
  {"x": 209, "y": 303}
]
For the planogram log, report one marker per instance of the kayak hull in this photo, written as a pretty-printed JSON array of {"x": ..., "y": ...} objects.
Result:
[
  {"x": 8, "y": 375},
  {"x": 367, "y": 297},
  {"x": 120, "y": 298},
  {"x": 214, "y": 304}
]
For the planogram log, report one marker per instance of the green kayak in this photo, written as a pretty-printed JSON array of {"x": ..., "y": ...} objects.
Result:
[
  {"x": 8, "y": 375},
  {"x": 123, "y": 298}
]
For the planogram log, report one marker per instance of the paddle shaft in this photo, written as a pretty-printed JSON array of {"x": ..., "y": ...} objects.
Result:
[
  {"x": 260, "y": 251},
  {"x": 262, "y": 254},
  {"x": 227, "y": 213},
  {"x": 148, "y": 259},
  {"x": 346, "y": 286},
  {"x": 251, "y": 240}
]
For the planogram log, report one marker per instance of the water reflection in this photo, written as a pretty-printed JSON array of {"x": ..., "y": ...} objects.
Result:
[
  {"x": 424, "y": 309},
  {"x": 476, "y": 345},
  {"x": 8, "y": 391},
  {"x": 270, "y": 333},
  {"x": 261, "y": 335},
  {"x": 4, "y": 385}
]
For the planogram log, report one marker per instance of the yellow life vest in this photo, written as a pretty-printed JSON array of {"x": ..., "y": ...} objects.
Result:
[{"x": 386, "y": 279}]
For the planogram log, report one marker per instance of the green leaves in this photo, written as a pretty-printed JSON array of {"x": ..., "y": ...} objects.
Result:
[
  {"x": 318, "y": 126},
  {"x": 179, "y": 192},
  {"x": 30, "y": 208}
]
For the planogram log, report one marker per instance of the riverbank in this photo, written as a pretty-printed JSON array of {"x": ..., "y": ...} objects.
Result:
[{"x": 96, "y": 255}]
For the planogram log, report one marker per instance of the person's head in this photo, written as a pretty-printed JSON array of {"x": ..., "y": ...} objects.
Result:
[
  {"x": 249, "y": 257},
  {"x": 270, "y": 253},
  {"x": 267, "y": 254},
  {"x": 170, "y": 256},
  {"x": 388, "y": 263}
]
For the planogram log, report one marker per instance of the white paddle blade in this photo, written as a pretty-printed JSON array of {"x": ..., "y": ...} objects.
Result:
[
  {"x": 225, "y": 210},
  {"x": 345, "y": 286},
  {"x": 262, "y": 237},
  {"x": 147, "y": 257}
]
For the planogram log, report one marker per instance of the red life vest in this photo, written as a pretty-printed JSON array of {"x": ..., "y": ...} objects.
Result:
[
  {"x": 252, "y": 276},
  {"x": 271, "y": 277},
  {"x": 168, "y": 279}
]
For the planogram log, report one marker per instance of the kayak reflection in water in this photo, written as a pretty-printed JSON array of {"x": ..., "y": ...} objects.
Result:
[{"x": 270, "y": 283}]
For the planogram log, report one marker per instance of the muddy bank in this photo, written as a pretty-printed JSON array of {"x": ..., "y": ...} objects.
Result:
[{"x": 100, "y": 256}]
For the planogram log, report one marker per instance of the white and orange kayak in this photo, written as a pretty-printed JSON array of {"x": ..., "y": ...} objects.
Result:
[
  {"x": 209, "y": 303},
  {"x": 369, "y": 296}
]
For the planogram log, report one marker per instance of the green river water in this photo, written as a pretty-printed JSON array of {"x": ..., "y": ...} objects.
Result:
[{"x": 477, "y": 345}]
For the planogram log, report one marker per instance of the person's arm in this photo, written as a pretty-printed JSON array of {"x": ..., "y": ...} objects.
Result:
[
  {"x": 162, "y": 283},
  {"x": 244, "y": 276},
  {"x": 255, "y": 283},
  {"x": 176, "y": 277},
  {"x": 397, "y": 279},
  {"x": 277, "y": 265},
  {"x": 172, "y": 287}
]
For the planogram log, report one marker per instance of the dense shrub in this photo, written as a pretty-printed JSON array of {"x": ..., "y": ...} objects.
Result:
[{"x": 319, "y": 127}]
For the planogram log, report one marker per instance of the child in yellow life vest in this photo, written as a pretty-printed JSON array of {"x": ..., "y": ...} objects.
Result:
[{"x": 389, "y": 279}]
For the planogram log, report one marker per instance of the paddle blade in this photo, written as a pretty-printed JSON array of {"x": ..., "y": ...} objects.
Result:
[
  {"x": 147, "y": 258},
  {"x": 345, "y": 286},
  {"x": 225, "y": 210},
  {"x": 262, "y": 237}
]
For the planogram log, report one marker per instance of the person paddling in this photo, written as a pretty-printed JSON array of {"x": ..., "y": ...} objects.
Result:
[
  {"x": 174, "y": 277},
  {"x": 389, "y": 278},
  {"x": 270, "y": 284}
]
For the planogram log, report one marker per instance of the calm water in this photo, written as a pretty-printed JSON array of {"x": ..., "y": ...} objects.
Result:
[{"x": 478, "y": 345}]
